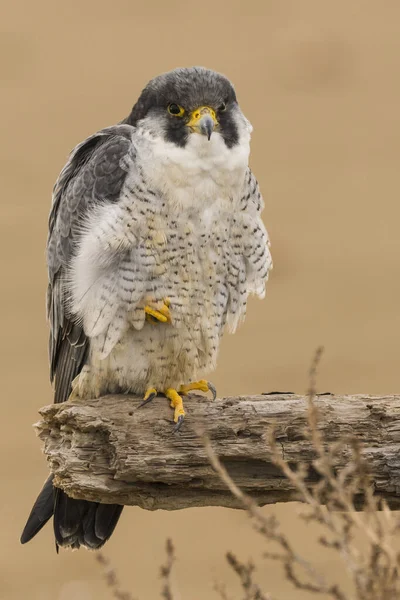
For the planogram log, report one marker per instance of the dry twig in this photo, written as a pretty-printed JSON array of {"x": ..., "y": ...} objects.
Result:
[
  {"x": 111, "y": 579},
  {"x": 166, "y": 571},
  {"x": 221, "y": 590},
  {"x": 375, "y": 569},
  {"x": 245, "y": 573}
]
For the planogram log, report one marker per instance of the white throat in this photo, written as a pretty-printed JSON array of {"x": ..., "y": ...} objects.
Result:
[{"x": 198, "y": 174}]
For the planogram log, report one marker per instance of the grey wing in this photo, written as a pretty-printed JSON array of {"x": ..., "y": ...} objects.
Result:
[
  {"x": 250, "y": 260},
  {"x": 94, "y": 173},
  {"x": 256, "y": 240}
]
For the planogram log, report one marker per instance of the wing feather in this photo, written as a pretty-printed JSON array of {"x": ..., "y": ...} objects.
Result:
[
  {"x": 250, "y": 259},
  {"x": 94, "y": 173}
]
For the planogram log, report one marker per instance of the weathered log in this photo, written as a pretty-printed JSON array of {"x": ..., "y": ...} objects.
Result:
[{"x": 108, "y": 450}]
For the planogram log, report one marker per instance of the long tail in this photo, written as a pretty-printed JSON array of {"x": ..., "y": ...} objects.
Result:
[{"x": 76, "y": 522}]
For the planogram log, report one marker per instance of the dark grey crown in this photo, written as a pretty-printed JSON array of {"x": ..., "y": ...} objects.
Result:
[{"x": 190, "y": 88}]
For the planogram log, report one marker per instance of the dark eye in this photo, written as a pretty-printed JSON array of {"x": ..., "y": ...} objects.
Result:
[
  {"x": 222, "y": 108},
  {"x": 176, "y": 110}
]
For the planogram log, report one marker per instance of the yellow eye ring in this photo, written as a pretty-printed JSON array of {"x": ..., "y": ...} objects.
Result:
[{"x": 175, "y": 110}]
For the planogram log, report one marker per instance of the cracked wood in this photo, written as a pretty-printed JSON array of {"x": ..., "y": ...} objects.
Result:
[{"x": 108, "y": 450}]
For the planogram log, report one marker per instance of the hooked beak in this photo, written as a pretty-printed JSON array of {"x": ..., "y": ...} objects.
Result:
[{"x": 203, "y": 120}]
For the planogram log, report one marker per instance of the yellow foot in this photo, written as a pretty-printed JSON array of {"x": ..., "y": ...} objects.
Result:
[
  {"x": 175, "y": 400},
  {"x": 202, "y": 385},
  {"x": 177, "y": 404},
  {"x": 160, "y": 314}
]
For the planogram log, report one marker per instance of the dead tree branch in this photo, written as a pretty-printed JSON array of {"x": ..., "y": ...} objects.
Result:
[{"x": 107, "y": 450}]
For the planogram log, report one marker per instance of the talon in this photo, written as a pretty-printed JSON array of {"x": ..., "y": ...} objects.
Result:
[
  {"x": 212, "y": 389},
  {"x": 179, "y": 423},
  {"x": 150, "y": 394},
  {"x": 202, "y": 385}
]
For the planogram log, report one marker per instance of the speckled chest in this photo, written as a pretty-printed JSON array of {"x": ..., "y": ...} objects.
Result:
[
  {"x": 180, "y": 256},
  {"x": 184, "y": 254},
  {"x": 184, "y": 203}
]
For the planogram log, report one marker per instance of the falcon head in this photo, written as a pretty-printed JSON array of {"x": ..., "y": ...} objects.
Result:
[{"x": 191, "y": 102}]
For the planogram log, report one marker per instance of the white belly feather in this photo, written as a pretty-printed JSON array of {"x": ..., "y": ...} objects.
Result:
[{"x": 173, "y": 234}]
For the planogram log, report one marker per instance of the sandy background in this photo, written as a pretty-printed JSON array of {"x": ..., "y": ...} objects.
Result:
[{"x": 320, "y": 82}]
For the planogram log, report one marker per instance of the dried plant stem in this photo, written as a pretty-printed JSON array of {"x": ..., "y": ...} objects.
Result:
[
  {"x": 374, "y": 567},
  {"x": 166, "y": 570},
  {"x": 111, "y": 579},
  {"x": 245, "y": 573},
  {"x": 269, "y": 527},
  {"x": 221, "y": 591}
]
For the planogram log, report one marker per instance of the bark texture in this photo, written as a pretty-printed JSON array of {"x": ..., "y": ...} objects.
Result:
[{"x": 108, "y": 450}]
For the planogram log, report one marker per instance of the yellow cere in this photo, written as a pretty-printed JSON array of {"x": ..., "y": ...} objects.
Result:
[{"x": 200, "y": 112}]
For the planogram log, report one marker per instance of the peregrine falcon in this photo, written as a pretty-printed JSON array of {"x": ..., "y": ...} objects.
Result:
[{"x": 155, "y": 243}]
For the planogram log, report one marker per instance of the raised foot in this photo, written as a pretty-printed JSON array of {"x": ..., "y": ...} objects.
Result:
[
  {"x": 160, "y": 314},
  {"x": 202, "y": 386}
]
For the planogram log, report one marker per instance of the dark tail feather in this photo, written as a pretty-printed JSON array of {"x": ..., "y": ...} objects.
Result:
[
  {"x": 41, "y": 512},
  {"x": 82, "y": 523},
  {"x": 106, "y": 520},
  {"x": 76, "y": 522},
  {"x": 99, "y": 524},
  {"x": 68, "y": 515}
]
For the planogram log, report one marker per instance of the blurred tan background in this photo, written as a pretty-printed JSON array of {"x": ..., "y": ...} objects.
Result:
[{"x": 320, "y": 82}]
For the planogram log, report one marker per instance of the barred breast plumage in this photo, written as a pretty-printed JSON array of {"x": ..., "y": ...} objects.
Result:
[{"x": 204, "y": 249}]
